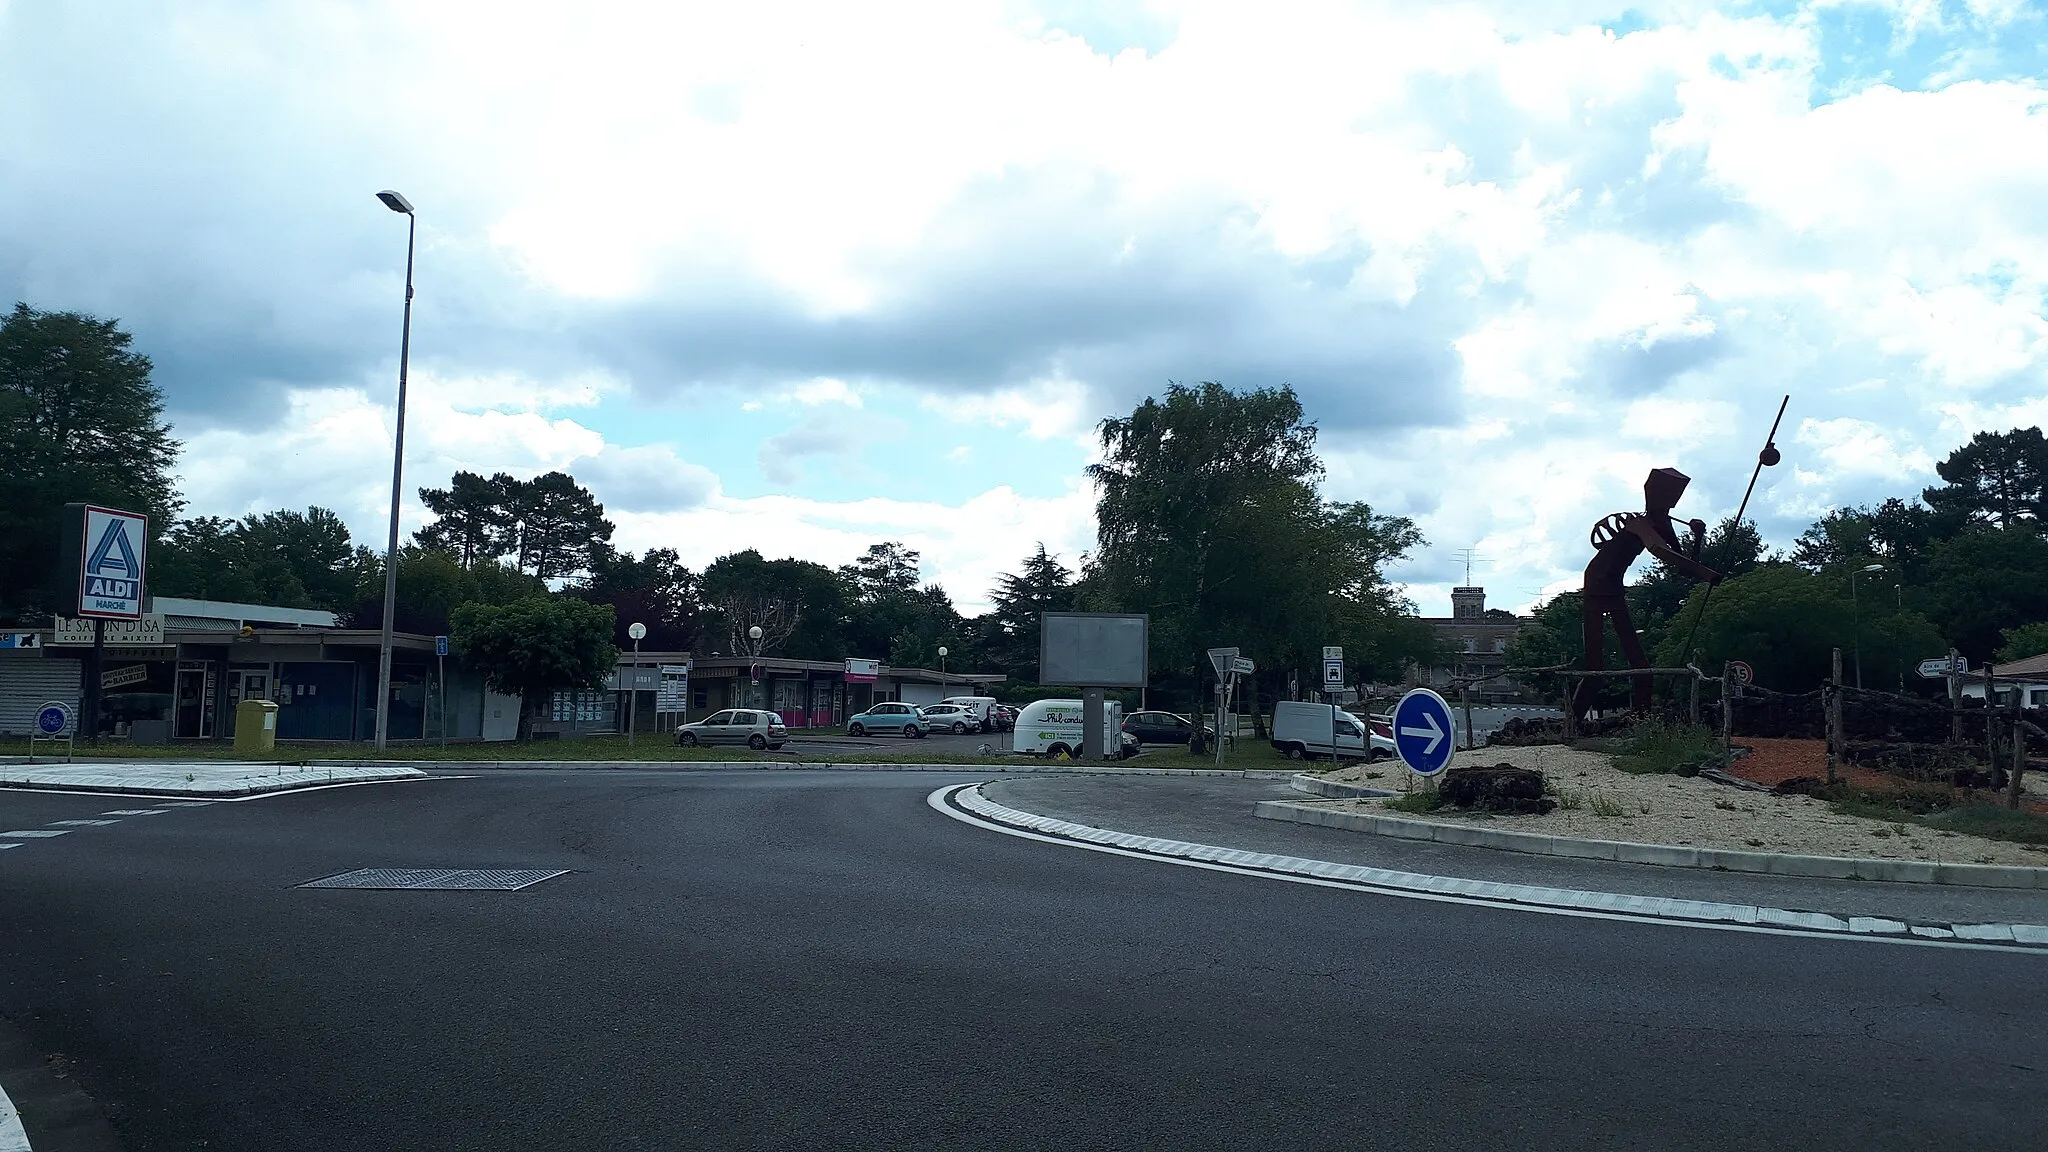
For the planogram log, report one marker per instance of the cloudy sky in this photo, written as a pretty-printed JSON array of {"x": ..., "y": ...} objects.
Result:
[{"x": 805, "y": 276}]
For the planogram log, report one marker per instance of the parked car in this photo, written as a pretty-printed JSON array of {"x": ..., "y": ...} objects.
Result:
[
  {"x": 983, "y": 708},
  {"x": 1053, "y": 728},
  {"x": 1302, "y": 729},
  {"x": 1163, "y": 728},
  {"x": 890, "y": 716},
  {"x": 755, "y": 728},
  {"x": 958, "y": 719}
]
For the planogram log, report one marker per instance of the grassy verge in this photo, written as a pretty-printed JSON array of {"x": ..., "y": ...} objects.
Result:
[
  {"x": 1662, "y": 748},
  {"x": 1936, "y": 808}
]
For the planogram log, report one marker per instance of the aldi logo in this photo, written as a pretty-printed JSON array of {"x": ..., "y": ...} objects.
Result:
[{"x": 111, "y": 551}]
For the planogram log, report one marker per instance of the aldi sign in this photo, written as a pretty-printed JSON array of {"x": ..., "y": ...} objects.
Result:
[{"x": 110, "y": 549}]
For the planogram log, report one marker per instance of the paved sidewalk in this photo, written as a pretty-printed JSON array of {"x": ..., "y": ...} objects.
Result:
[
  {"x": 1220, "y": 811},
  {"x": 192, "y": 777}
]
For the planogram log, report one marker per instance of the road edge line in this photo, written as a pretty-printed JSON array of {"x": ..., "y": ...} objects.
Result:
[{"x": 964, "y": 802}]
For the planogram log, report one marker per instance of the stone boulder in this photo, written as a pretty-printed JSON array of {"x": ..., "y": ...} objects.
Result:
[{"x": 1501, "y": 788}]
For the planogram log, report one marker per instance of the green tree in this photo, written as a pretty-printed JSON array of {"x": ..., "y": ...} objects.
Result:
[
  {"x": 1555, "y": 635},
  {"x": 1009, "y": 636},
  {"x": 1998, "y": 479},
  {"x": 1976, "y": 584},
  {"x": 800, "y": 607},
  {"x": 655, "y": 590},
  {"x": 1202, "y": 501},
  {"x": 537, "y": 646},
  {"x": 2024, "y": 641},
  {"x": 561, "y": 526},
  {"x": 1731, "y": 549},
  {"x": 1785, "y": 622},
  {"x": 287, "y": 559},
  {"x": 1895, "y": 532},
  {"x": 474, "y": 517},
  {"x": 80, "y": 421},
  {"x": 431, "y": 586}
]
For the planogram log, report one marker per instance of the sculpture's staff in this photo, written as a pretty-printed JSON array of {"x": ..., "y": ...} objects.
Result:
[{"x": 1764, "y": 459}]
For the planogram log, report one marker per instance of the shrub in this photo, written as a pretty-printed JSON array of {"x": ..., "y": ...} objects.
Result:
[{"x": 1654, "y": 747}]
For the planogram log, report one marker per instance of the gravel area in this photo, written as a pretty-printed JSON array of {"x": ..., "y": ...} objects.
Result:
[{"x": 1679, "y": 810}]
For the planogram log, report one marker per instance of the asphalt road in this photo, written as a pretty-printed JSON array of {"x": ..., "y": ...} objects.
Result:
[{"x": 745, "y": 960}]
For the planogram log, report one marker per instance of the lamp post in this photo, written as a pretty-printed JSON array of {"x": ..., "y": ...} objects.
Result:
[
  {"x": 1856, "y": 616},
  {"x": 754, "y": 664},
  {"x": 942, "y": 669},
  {"x": 637, "y": 630},
  {"x": 396, "y": 203}
]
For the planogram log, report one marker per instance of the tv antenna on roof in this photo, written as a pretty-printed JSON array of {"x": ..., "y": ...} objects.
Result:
[{"x": 1470, "y": 556}]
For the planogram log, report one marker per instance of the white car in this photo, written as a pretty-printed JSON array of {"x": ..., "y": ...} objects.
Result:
[{"x": 958, "y": 719}]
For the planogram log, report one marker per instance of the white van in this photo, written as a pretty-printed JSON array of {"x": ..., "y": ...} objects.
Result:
[
  {"x": 1053, "y": 727},
  {"x": 1301, "y": 729},
  {"x": 983, "y": 707}
]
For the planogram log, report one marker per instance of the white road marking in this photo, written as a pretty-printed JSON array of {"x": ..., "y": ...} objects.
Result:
[
  {"x": 82, "y": 823},
  {"x": 135, "y": 812},
  {"x": 1446, "y": 889},
  {"x": 174, "y": 801},
  {"x": 30, "y": 832},
  {"x": 10, "y": 845},
  {"x": 12, "y": 1138}
]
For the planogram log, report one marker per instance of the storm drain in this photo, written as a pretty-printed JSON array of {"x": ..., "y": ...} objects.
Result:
[{"x": 484, "y": 879}]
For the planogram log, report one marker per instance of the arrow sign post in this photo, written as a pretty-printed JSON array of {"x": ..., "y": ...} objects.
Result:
[
  {"x": 1422, "y": 732},
  {"x": 1942, "y": 666}
]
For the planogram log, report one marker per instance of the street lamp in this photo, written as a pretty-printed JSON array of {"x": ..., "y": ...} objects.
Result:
[
  {"x": 1856, "y": 616},
  {"x": 396, "y": 203},
  {"x": 754, "y": 635},
  {"x": 942, "y": 669}
]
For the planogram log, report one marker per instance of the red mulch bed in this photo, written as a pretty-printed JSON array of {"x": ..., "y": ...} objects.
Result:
[{"x": 1774, "y": 761}]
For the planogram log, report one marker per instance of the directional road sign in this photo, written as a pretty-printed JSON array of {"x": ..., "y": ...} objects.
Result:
[
  {"x": 1242, "y": 666},
  {"x": 440, "y": 645},
  {"x": 53, "y": 718},
  {"x": 1938, "y": 667},
  {"x": 1422, "y": 731}
]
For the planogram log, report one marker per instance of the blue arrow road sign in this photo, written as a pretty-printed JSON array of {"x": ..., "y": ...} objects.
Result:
[
  {"x": 440, "y": 645},
  {"x": 1423, "y": 732}
]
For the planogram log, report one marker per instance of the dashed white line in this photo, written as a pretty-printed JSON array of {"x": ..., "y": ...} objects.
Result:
[
  {"x": 32, "y": 832},
  {"x": 10, "y": 845},
  {"x": 136, "y": 812},
  {"x": 82, "y": 823},
  {"x": 12, "y": 1138}
]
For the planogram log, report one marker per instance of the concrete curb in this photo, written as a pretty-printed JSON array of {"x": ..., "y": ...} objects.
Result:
[
  {"x": 970, "y": 802},
  {"x": 1665, "y": 855},
  {"x": 169, "y": 783},
  {"x": 1335, "y": 789},
  {"x": 817, "y": 766}
]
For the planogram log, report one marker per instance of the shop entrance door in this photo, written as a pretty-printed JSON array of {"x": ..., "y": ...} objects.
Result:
[
  {"x": 194, "y": 719},
  {"x": 244, "y": 684}
]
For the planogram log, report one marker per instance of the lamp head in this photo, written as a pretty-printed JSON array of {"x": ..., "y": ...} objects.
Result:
[{"x": 395, "y": 202}]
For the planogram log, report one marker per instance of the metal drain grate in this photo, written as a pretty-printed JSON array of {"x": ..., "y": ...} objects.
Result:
[{"x": 484, "y": 879}]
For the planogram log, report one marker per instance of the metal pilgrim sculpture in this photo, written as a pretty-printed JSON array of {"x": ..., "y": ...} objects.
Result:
[{"x": 1618, "y": 539}]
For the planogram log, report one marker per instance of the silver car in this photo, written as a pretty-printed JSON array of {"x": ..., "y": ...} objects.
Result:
[
  {"x": 958, "y": 719},
  {"x": 757, "y": 729}
]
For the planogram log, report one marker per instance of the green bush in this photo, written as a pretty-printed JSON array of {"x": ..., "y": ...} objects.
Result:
[
  {"x": 1417, "y": 802},
  {"x": 1656, "y": 747}
]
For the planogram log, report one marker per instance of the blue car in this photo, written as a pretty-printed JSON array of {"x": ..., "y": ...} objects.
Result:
[{"x": 890, "y": 718}]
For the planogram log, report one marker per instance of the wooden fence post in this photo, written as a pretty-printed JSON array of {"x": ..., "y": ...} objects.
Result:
[
  {"x": 1990, "y": 726},
  {"x": 1833, "y": 699},
  {"x": 1727, "y": 718},
  {"x": 1955, "y": 701},
  {"x": 1571, "y": 718},
  {"x": 2019, "y": 758},
  {"x": 1695, "y": 706}
]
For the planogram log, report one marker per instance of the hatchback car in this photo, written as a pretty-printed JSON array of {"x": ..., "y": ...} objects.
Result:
[
  {"x": 890, "y": 716},
  {"x": 1162, "y": 728},
  {"x": 955, "y": 718},
  {"x": 756, "y": 729}
]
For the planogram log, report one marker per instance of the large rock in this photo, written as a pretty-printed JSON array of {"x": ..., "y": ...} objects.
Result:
[{"x": 1501, "y": 788}]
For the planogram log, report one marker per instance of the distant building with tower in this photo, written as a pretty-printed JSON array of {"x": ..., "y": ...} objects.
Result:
[{"x": 1476, "y": 643}]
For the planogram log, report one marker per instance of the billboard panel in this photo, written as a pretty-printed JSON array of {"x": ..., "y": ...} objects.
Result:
[{"x": 1093, "y": 649}]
